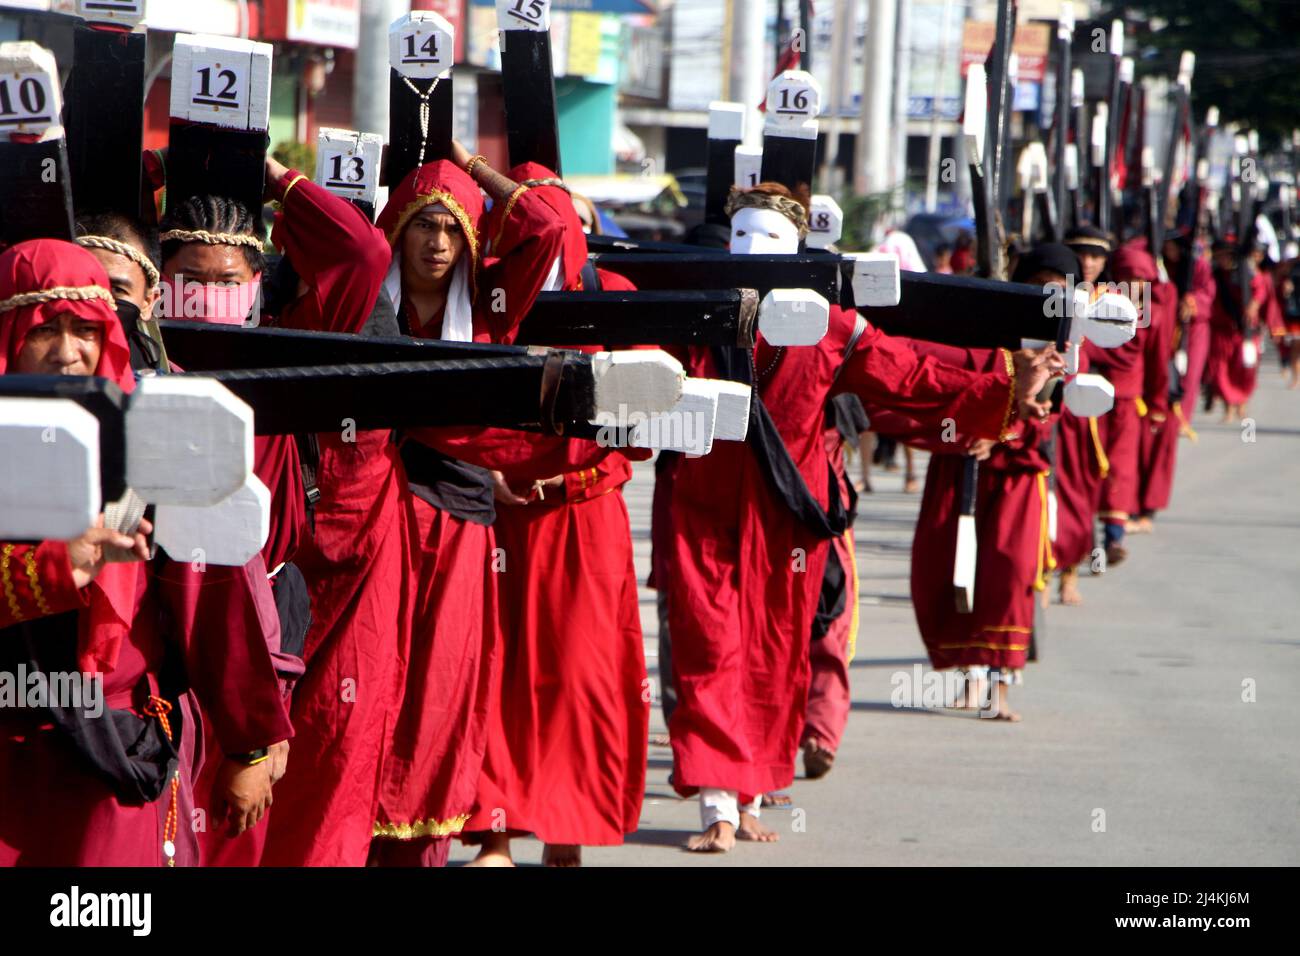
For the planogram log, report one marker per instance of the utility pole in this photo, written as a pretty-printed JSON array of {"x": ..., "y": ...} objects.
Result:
[
  {"x": 872, "y": 162},
  {"x": 749, "y": 72},
  {"x": 902, "y": 82},
  {"x": 932, "y": 154}
]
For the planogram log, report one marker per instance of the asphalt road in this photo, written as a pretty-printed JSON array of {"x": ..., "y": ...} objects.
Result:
[{"x": 1138, "y": 745}]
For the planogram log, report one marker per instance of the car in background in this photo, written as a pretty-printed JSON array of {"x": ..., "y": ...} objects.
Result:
[{"x": 930, "y": 230}]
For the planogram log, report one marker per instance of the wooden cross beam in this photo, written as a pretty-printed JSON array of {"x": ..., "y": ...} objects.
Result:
[
  {"x": 957, "y": 310},
  {"x": 104, "y": 108},
  {"x": 421, "y": 47},
  {"x": 220, "y": 114},
  {"x": 532, "y": 123},
  {"x": 35, "y": 195},
  {"x": 644, "y": 381}
]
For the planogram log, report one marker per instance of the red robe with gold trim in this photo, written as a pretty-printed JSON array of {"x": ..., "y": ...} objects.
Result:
[
  {"x": 744, "y": 574},
  {"x": 355, "y": 561}
]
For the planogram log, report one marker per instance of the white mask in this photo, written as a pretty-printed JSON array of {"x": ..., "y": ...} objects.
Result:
[{"x": 752, "y": 232}]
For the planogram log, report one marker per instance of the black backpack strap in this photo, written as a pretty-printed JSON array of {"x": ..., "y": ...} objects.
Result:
[
  {"x": 782, "y": 473},
  {"x": 590, "y": 277},
  {"x": 309, "y": 461}
]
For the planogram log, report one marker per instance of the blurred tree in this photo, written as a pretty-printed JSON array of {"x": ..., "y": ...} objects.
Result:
[
  {"x": 299, "y": 156},
  {"x": 1247, "y": 55}
]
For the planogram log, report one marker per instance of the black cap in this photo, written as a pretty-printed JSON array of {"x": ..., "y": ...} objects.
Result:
[
  {"x": 1047, "y": 257},
  {"x": 1087, "y": 237}
]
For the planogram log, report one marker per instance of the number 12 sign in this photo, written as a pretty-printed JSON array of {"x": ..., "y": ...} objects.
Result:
[{"x": 221, "y": 80}]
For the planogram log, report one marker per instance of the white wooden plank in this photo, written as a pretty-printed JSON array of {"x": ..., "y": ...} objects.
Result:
[
  {"x": 229, "y": 533},
  {"x": 31, "y": 102},
  {"x": 793, "y": 317},
  {"x": 875, "y": 279},
  {"x": 189, "y": 441},
  {"x": 49, "y": 469},
  {"x": 635, "y": 381}
]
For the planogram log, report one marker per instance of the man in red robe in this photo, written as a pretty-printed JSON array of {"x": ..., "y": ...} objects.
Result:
[
  {"x": 454, "y": 281},
  {"x": 1014, "y": 556},
  {"x": 68, "y": 609},
  {"x": 1158, "y": 445},
  {"x": 566, "y": 751},
  {"x": 1233, "y": 366},
  {"x": 1133, "y": 267},
  {"x": 745, "y": 571},
  {"x": 1081, "y": 463}
]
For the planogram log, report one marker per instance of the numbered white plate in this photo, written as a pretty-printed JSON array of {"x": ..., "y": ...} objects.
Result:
[
  {"x": 749, "y": 166},
  {"x": 225, "y": 81},
  {"x": 347, "y": 163},
  {"x": 825, "y": 222},
  {"x": 421, "y": 45},
  {"x": 29, "y": 90},
  {"x": 533, "y": 15},
  {"x": 794, "y": 99},
  {"x": 125, "y": 13}
]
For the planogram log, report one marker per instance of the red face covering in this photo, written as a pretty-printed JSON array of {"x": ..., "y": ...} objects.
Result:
[
  {"x": 44, "y": 264},
  {"x": 440, "y": 183}
]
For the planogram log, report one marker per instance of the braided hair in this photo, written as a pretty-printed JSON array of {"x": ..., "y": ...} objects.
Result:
[{"x": 214, "y": 214}]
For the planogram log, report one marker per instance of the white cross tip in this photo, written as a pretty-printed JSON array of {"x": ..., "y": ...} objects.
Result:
[
  {"x": 1089, "y": 395},
  {"x": 636, "y": 380},
  {"x": 228, "y": 534},
  {"x": 688, "y": 427},
  {"x": 875, "y": 279},
  {"x": 189, "y": 441},
  {"x": 49, "y": 469},
  {"x": 1110, "y": 321},
  {"x": 793, "y": 317}
]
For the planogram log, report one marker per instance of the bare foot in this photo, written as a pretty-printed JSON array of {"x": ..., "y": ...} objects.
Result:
[
  {"x": 751, "y": 828},
  {"x": 816, "y": 761},
  {"x": 1070, "y": 595},
  {"x": 561, "y": 854},
  {"x": 495, "y": 851},
  {"x": 1140, "y": 525},
  {"x": 974, "y": 696},
  {"x": 660, "y": 740},
  {"x": 1001, "y": 709},
  {"x": 911, "y": 485},
  {"x": 776, "y": 800},
  {"x": 719, "y": 838}
]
